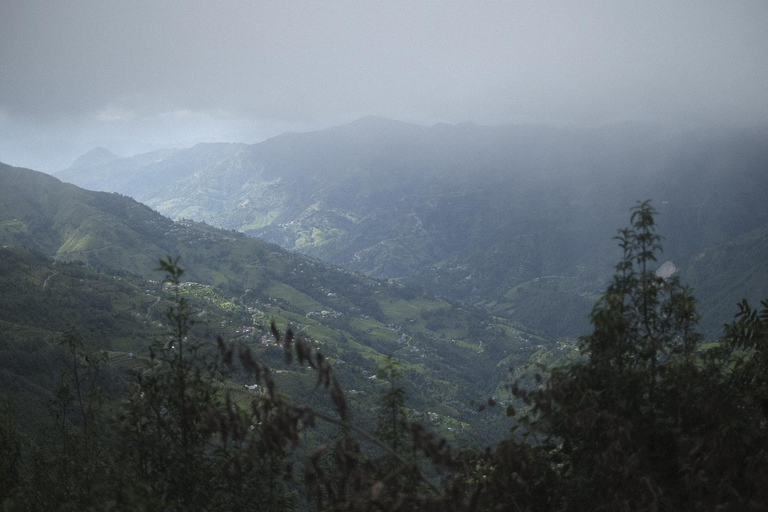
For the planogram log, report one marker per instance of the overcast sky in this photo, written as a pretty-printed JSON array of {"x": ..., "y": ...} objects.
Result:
[{"x": 133, "y": 75}]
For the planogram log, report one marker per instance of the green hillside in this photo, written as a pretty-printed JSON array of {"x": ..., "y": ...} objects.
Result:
[
  {"x": 452, "y": 355},
  {"x": 725, "y": 274},
  {"x": 642, "y": 395},
  {"x": 506, "y": 217}
]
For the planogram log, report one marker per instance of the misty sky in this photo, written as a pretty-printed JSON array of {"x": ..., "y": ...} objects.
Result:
[{"x": 135, "y": 75}]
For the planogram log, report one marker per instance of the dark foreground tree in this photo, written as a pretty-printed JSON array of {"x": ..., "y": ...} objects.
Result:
[
  {"x": 183, "y": 444},
  {"x": 648, "y": 419}
]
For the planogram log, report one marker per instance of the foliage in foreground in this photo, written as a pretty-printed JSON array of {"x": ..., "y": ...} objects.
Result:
[{"x": 648, "y": 419}]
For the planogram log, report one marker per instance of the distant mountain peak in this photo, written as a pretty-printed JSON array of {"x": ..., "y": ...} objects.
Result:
[
  {"x": 376, "y": 119},
  {"x": 375, "y": 126},
  {"x": 94, "y": 157},
  {"x": 379, "y": 122}
]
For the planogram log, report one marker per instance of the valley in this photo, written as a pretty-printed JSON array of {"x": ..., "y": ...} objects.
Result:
[
  {"x": 433, "y": 256},
  {"x": 477, "y": 214},
  {"x": 239, "y": 285},
  {"x": 458, "y": 288}
]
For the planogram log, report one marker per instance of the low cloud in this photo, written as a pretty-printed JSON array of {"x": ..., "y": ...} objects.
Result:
[{"x": 298, "y": 64}]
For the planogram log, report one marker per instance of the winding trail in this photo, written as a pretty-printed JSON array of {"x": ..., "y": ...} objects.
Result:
[
  {"x": 151, "y": 306},
  {"x": 45, "y": 283},
  {"x": 86, "y": 251}
]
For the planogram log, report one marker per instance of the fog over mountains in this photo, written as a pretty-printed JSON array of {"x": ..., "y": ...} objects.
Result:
[
  {"x": 508, "y": 217},
  {"x": 137, "y": 76},
  {"x": 398, "y": 255},
  {"x": 69, "y": 255}
]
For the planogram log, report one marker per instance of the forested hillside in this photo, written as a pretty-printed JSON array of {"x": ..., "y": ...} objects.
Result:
[
  {"x": 453, "y": 352},
  {"x": 727, "y": 273},
  {"x": 510, "y": 218},
  {"x": 241, "y": 362},
  {"x": 650, "y": 417},
  {"x": 399, "y": 256}
]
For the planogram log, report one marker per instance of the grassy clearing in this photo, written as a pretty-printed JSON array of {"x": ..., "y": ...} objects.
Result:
[
  {"x": 374, "y": 329},
  {"x": 76, "y": 242},
  {"x": 297, "y": 299},
  {"x": 401, "y": 311},
  {"x": 208, "y": 294},
  {"x": 13, "y": 226},
  {"x": 259, "y": 220}
]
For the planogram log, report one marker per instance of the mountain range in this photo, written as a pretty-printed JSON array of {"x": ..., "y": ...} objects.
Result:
[
  {"x": 72, "y": 256},
  {"x": 515, "y": 219}
]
